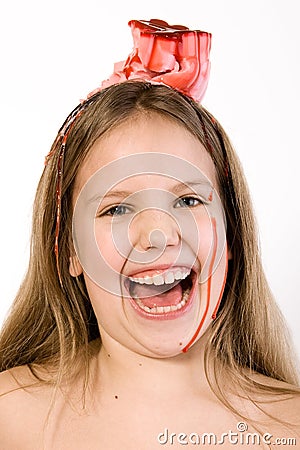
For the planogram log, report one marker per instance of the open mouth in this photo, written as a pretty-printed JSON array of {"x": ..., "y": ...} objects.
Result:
[{"x": 166, "y": 292}]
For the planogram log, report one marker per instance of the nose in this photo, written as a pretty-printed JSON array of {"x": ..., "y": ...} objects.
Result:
[{"x": 154, "y": 228}]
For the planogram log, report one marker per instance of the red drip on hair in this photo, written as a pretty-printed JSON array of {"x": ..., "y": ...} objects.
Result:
[{"x": 64, "y": 135}]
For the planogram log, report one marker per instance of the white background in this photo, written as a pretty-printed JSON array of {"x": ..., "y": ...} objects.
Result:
[{"x": 54, "y": 53}]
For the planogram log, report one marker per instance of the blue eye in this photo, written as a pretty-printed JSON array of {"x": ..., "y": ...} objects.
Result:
[
  {"x": 188, "y": 202},
  {"x": 118, "y": 210}
]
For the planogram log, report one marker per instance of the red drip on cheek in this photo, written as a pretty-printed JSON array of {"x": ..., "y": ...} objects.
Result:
[{"x": 215, "y": 242}]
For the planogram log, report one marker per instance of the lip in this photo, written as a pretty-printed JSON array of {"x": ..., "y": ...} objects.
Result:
[{"x": 168, "y": 315}]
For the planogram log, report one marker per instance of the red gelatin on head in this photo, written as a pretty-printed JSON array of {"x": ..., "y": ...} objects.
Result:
[{"x": 168, "y": 54}]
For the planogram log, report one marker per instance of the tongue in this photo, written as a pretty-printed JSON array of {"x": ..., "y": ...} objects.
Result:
[{"x": 152, "y": 296}]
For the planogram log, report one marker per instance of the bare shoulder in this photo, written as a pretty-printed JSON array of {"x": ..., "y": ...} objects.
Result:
[
  {"x": 287, "y": 407},
  {"x": 23, "y": 409},
  {"x": 284, "y": 422},
  {"x": 20, "y": 381},
  {"x": 281, "y": 402},
  {"x": 13, "y": 378}
]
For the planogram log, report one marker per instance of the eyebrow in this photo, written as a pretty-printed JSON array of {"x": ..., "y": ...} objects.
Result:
[
  {"x": 192, "y": 184},
  {"x": 109, "y": 194},
  {"x": 179, "y": 187}
]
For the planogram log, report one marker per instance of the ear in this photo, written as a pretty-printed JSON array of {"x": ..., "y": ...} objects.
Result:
[{"x": 75, "y": 267}]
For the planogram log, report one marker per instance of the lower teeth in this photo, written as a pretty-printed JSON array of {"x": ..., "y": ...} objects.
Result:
[{"x": 164, "y": 309}]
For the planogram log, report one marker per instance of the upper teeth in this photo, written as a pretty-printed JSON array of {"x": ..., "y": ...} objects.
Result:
[{"x": 162, "y": 278}]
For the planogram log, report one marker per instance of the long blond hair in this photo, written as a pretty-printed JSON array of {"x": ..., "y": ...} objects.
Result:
[{"x": 51, "y": 323}]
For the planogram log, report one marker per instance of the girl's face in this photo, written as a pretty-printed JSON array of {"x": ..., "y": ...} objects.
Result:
[{"x": 150, "y": 236}]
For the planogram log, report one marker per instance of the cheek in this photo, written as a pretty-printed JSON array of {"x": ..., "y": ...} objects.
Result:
[
  {"x": 106, "y": 305},
  {"x": 110, "y": 254},
  {"x": 213, "y": 260},
  {"x": 205, "y": 239}
]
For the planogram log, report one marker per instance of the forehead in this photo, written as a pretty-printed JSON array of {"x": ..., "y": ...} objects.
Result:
[{"x": 146, "y": 134}]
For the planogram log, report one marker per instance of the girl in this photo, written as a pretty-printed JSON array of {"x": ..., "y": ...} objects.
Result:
[{"x": 145, "y": 319}]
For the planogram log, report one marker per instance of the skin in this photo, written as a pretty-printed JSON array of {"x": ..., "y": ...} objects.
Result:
[
  {"x": 141, "y": 382},
  {"x": 116, "y": 318}
]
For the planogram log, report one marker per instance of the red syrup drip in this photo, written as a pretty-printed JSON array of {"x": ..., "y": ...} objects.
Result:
[
  {"x": 64, "y": 135},
  {"x": 215, "y": 242}
]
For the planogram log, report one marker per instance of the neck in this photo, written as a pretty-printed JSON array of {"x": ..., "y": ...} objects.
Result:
[{"x": 121, "y": 370}]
